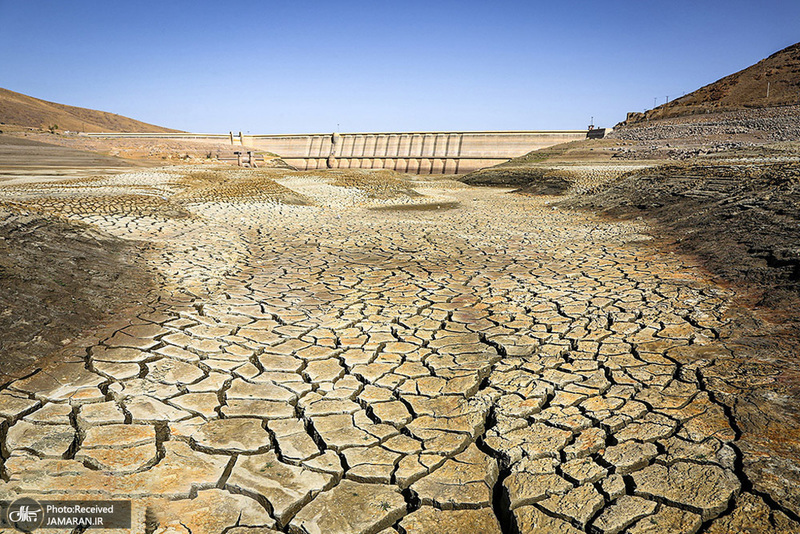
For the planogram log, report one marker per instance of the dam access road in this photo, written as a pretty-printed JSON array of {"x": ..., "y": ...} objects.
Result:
[{"x": 368, "y": 352}]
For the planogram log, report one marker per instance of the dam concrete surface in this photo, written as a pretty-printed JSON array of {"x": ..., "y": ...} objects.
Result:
[{"x": 407, "y": 152}]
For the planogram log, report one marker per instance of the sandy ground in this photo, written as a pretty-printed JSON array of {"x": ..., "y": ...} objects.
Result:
[
  {"x": 372, "y": 352},
  {"x": 24, "y": 160},
  {"x": 135, "y": 151}
]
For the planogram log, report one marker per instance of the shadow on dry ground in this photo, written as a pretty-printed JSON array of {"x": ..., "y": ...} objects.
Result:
[{"x": 58, "y": 278}]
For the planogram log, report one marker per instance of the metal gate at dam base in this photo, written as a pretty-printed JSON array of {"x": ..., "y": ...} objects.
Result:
[{"x": 409, "y": 152}]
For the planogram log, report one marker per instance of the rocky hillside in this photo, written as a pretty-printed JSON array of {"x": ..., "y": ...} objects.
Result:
[
  {"x": 714, "y": 131},
  {"x": 744, "y": 89},
  {"x": 23, "y": 110}
]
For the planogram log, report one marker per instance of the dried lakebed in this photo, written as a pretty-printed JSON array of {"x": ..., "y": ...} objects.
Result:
[{"x": 502, "y": 366}]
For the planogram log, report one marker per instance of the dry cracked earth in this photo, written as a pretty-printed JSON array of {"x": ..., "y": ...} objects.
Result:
[{"x": 325, "y": 356}]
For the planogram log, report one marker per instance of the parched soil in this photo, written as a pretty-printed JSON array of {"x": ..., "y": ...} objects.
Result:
[
  {"x": 729, "y": 201},
  {"x": 545, "y": 181},
  {"x": 56, "y": 279},
  {"x": 18, "y": 154},
  {"x": 740, "y": 218},
  {"x": 227, "y": 185},
  {"x": 375, "y": 184},
  {"x": 575, "y": 167},
  {"x": 122, "y": 152},
  {"x": 497, "y": 364},
  {"x": 337, "y": 350}
]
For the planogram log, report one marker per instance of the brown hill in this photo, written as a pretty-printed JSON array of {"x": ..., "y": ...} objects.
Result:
[
  {"x": 23, "y": 110},
  {"x": 744, "y": 89}
]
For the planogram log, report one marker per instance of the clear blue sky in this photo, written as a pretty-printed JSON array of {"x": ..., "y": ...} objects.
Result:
[{"x": 303, "y": 66}]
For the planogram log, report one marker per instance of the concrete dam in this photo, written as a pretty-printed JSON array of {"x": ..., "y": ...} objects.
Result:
[{"x": 411, "y": 152}]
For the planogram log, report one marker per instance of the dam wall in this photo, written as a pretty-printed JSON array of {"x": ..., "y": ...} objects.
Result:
[{"x": 411, "y": 152}]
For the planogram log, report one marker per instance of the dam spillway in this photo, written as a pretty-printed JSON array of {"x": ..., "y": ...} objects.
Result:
[{"x": 410, "y": 152}]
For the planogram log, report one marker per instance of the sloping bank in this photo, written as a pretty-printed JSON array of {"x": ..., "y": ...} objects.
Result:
[
  {"x": 58, "y": 279},
  {"x": 743, "y": 221},
  {"x": 530, "y": 180}
]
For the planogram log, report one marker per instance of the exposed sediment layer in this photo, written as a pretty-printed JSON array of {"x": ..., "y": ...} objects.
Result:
[{"x": 329, "y": 368}]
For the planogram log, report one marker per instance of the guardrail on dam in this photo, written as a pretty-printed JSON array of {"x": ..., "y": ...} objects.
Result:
[{"x": 412, "y": 152}]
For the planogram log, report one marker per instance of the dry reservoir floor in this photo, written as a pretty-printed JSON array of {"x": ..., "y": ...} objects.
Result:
[{"x": 311, "y": 364}]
